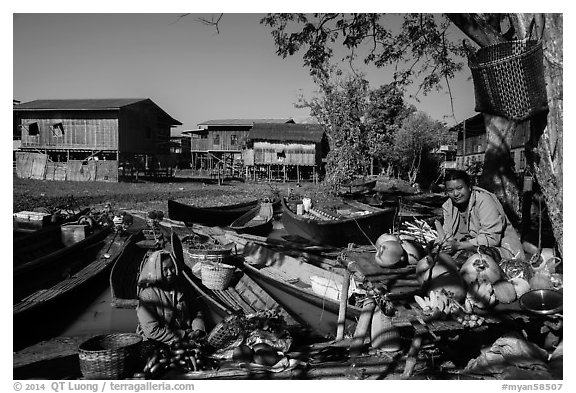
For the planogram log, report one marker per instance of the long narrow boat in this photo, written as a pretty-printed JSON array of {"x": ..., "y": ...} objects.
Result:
[
  {"x": 27, "y": 235},
  {"x": 213, "y": 216},
  {"x": 257, "y": 221},
  {"x": 57, "y": 299},
  {"x": 51, "y": 260},
  {"x": 311, "y": 294},
  {"x": 353, "y": 222},
  {"x": 358, "y": 186}
]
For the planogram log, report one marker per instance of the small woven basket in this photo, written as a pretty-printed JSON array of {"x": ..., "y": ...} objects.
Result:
[
  {"x": 509, "y": 79},
  {"x": 216, "y": 275},
  {"x": 225, "y": 332},
  {"x": 110, "y": 356}
]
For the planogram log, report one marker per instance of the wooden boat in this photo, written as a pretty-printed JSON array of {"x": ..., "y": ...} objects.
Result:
[
  {"x": 358, "y": 186},
  {"x": 243, "y": 295},
  {"x": 311, "y": 294},
  {"x": 52, "y": 258},
  {"x": 56, "y": 299},
  {"x": 213, "y": 216},
  {"x": 257, "y": 221},
  {"x": 351, "y": 222},
  {"x": 23, "y": 232}
]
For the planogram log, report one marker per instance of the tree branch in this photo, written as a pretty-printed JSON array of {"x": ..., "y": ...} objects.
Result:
[{"x": 477, "y": 29}]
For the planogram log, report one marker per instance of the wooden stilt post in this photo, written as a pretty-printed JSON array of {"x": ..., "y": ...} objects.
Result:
[
  {"x": 298, "y": 173},
  {"x": 284, "y": 167}
]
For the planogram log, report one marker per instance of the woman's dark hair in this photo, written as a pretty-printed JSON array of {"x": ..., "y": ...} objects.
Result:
[{"x": 457, "y": 174}]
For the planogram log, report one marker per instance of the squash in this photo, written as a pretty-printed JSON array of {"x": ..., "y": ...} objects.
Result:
[
  {"x": 504, "y": 291},
  {"x": 444, "y": 264},
  {"x": 482, "y": 268},
  {"x": 451, "y": 284},
  {"x": 481, "y": 294},
  {"x": 414, "y": 251},
  {"x": 384, "y": 238},
  {"x": 391, "y": 254},
  {"x": 521, "y": 286}
]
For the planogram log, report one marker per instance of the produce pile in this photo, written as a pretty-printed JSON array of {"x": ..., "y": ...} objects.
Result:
[
  {"x": 183, "y": 356},
  {"x": 465, "y": 286}
]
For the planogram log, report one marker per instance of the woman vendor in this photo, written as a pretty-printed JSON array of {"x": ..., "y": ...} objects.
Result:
[
  {"x": 164, "y": 310},
  {"x": 474, "y": 217}
]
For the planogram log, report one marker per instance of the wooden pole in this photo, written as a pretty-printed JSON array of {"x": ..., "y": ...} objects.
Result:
[
  {"x": 284, "y": 168},
  {"x": 298, "y": 173},
  {"x": 357, "y": 346},
  {"x": 342, "y": 309}
]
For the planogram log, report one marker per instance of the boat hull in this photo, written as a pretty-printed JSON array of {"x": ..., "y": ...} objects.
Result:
[
  {"x": 360, "y": 230},
  {"x": 210, "y": 216}
]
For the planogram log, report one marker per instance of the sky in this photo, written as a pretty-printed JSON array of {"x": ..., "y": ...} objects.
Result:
[{"x": 187, "y": 68}]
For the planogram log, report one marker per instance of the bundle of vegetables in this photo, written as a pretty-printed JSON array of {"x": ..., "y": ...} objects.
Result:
[
  {"x": 184, "y": 356},
  {"x": 420, "y": 231}
]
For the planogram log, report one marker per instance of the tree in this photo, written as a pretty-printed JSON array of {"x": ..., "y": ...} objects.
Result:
[
  {"x": 416, "y": 138},
  {"x": 339, "y": 107},
  {"x": 385, "y": 112},
  {"x": 422, "y": 48}
]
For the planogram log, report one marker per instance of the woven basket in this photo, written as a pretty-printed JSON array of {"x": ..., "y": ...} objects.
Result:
[
  {"x": 509, "y": 79},
  {"x": 216, "y": 275},
  {"x": 207, "y": 254},
  {"x": 225, "y": 332},
  {"x": 110, "y": 356}
]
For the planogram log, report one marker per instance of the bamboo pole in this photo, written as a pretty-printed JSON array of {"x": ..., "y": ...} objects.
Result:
[{"x": 342, "y": 309}]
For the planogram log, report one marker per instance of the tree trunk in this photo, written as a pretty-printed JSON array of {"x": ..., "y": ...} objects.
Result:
[{"x": 544, "y": 152}]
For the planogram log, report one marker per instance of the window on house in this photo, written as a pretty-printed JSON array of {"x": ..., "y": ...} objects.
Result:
[
  {"x": 216, "y": 139},
  {"x": 33, "y": 129},
  {"x": 58, "y": 129},
  {"x": 233, "y": 140}
]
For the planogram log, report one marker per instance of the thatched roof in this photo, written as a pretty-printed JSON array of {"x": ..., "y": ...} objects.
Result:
[{"x": 286, "y": 132}]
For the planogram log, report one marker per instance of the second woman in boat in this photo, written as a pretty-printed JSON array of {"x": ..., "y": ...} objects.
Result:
[{"x": 165, "y": 311}]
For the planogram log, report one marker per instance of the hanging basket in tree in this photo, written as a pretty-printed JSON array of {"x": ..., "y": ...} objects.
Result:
[{"x": 509, "y": 78}]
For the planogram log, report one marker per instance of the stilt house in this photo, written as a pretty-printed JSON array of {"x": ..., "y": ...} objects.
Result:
[{"x": 92, "y": 139}]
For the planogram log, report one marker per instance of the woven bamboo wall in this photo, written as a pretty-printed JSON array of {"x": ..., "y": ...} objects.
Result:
[{"x": 294, "y": 153}]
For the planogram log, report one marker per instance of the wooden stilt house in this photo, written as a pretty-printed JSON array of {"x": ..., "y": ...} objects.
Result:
[
  {"x": 92, "y": 139},
  {"x": 284, "y": 152},
  {"x": 217, "y": 146}
]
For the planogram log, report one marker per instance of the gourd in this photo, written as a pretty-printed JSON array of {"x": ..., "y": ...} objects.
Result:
[
  {"x": 504, "y": 291},
  {"x": 443, "y": 276},
  {"x": 521, "y": 286},
  {"x": 444, "y": 264},
  {"x": 390, "y": 254},
  {"x": 414, "y": 251},
  {"x": 481, "y": 294},
  {"x": 482, "y": 268},
  {"x": 384, "y": 238}
]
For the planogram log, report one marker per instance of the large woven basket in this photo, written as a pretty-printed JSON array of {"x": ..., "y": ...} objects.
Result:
[
  {"x": 110, "y": 356},
  {"x": 509, "y": 79},
  {"x": 217, "y": 275}
]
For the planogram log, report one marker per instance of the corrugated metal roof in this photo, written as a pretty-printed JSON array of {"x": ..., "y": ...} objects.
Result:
[
  {"x": 243, "y": 122},
  {"x": 89, "y": 104},
  {"x": 79, "y": 104},
  {"x": 287, "y": 132}
]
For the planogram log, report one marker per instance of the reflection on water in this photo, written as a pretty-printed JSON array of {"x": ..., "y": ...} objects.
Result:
[{"x": 100, "y": 317}]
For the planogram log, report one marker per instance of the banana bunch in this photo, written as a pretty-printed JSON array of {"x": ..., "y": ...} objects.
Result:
[{"x": 436, "y": 302}]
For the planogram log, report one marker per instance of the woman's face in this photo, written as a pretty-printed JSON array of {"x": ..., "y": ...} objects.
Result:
[
  {"x": 458, "y": 191},
  {"x": 168, "y": 270}
]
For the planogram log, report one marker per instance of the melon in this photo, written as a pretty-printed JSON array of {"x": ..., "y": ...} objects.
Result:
[
  {"x": 384, "y": 238},
  {"x": 504, "y": 291},
  {"x": 390, "y": 254},
  {"x": 414, "y": 251},
  {"x": 444, "y": 264},
  {"x": 482, "y": 268}
]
